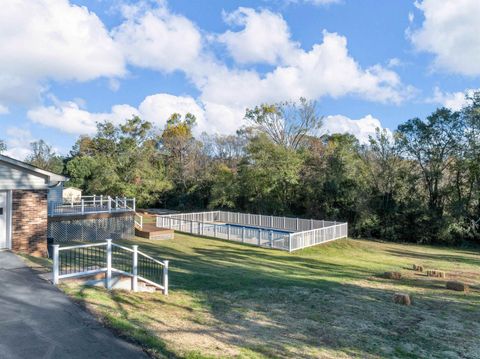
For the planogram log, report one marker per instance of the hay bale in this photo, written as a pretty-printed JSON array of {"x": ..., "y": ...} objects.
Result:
[
  {"x": 392, "y": 275},
  {"x": 418, "y": 268},
  {"x": 402, "y": 298},
  {"x": 458, "y": 286},
  {"x": 436, "y": 273}
]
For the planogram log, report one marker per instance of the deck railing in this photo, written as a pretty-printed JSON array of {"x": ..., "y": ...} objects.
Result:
[
  {"x": 109, "y": 258},
  {"x": 256, "y": 229},
  {"x": 92, "y": 204}
]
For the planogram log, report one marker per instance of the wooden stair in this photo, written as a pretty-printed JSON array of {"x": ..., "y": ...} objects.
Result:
[{"x": 151, "y": 231}]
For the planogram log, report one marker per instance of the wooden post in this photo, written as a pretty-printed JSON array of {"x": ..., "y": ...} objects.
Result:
[
  {"x": 109, "y": 265},
  {"x": 135, "y": 268},
  {"x": 83, "y": 206},
  {"x": 165, "y": 277},
  {"x": 56, "y": 263},
  {"x": 134, "y": 203}
]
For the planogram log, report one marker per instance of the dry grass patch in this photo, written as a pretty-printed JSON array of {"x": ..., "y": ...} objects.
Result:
[{"x": 228, "y": 300}]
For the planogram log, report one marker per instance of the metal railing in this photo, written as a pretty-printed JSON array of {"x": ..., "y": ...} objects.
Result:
[
  {"x": 256, "y": 229},
  {"x": 92, "y": 204},
  {"x": 108, "y": 258}
]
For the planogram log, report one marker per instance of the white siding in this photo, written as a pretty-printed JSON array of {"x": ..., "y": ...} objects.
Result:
[{"x": 12, "y": 177}]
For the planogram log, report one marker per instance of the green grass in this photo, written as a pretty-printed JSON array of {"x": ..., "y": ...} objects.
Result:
[{"x": 231, "y": 300}]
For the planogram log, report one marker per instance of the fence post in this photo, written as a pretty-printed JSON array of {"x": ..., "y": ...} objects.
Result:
[
  {"x": 165, "y": 277},
  {"x": 297, "y": 223},
  {"x": 311, "y": 224},
  {"x": 101, "y": 200},
  {"x": 109, "y": 264},
  {"x": 289, "y": 242},
  {"x": 270, "y": 235},
  {"x": 83, "y": 206},
  {"x": 215, "y": 230},
  {"x": 56, "y": 263},
  {"x": 191, "y": 227},
  {"x": 109, "y": 204},
  {"x": 243, "y": 234},
  {"x": 259, "y": 237},
  {"x": 228, "y": 232},
  {"x": 135, "y": 268},
  {"x": 284, "y": 222},
  {"x": 271, "y": 221},
  {"x": 134, "y": 203}
]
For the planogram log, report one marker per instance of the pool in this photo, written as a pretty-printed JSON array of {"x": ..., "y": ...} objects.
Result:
[{"x": 245, "y": 234}]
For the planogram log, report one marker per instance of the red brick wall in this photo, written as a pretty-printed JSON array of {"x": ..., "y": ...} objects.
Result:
[{"x": 29, "y": 221}]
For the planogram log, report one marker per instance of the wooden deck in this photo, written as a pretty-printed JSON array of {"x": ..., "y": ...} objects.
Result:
[{"x": 151, "y": 231}]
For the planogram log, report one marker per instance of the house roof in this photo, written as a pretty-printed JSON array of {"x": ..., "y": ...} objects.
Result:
[
  {"x": 52, "y": 177},
  {"x": 75, "y": 188}
]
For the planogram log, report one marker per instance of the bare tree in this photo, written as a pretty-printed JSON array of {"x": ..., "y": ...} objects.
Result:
[{"x": 286, "y": 123}]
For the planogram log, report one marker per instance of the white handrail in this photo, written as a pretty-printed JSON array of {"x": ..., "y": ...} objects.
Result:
[{"x": 109, "y": 268}]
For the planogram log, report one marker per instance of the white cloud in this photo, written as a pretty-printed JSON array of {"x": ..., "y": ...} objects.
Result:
[
  {"x": 158, "y": 108},
  {"x": 3, "y": 110},
  {"x": 453, "y": 100},
  {"x": 51, "y": 40},
  {"x": 451, "y": 32},
  {"x": 157, "y": 39},
  {"x": 18, "y": 142},
  {"x": 265, "y": 37},
  {"x": 326, "y": 70},
  {"x": 361, "y": 128},
  {"x": 69, "y": 117}
]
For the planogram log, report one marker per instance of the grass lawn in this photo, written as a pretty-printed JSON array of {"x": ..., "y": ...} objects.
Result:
[{"x": 230, "y": 300}]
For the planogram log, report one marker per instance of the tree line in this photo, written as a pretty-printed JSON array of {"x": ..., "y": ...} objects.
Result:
[{"x": 420, "y": 183}]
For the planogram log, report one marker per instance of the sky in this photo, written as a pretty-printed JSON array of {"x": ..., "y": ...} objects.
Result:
[{"x": 67, "y": 64}]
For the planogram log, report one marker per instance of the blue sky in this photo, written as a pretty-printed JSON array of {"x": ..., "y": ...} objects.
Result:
[{"x": 68, "y": 64}]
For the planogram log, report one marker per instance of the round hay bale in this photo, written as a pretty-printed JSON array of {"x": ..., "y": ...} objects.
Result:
[
  {"x": 418, "y": 268},
  {"x": 458, "y": 286},
  {"x": 392, "y": 275},
  {"x": 402, "y": 298},
  {"x": 436, "y": 273}
]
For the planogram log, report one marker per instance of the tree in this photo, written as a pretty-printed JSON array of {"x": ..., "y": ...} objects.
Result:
[
  {"x": 433, "y": 146},
  {"x": 286, "y": 123},
  {"x": 120, "y": 160},
  {"x": 43, "y": 156},
  {"x": 269, "y": 176},
  {"x": 3, "y": 146}
]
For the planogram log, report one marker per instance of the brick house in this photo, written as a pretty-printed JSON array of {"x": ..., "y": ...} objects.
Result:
[{"x": 25, "y": 193}]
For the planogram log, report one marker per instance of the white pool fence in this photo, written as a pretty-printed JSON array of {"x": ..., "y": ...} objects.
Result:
[{"x": 285, "y": 233}]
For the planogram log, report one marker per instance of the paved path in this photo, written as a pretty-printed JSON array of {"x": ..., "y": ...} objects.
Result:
[{"x": 39, "y": 321}]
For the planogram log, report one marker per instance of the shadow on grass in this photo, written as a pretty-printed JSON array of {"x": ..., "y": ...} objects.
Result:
[
  {"x": 468, "y": 260},
  {"x": 284, "y": 305}
]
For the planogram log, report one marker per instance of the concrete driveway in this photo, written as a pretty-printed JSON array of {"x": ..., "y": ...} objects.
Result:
[{"x": 39, "y": 321}]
